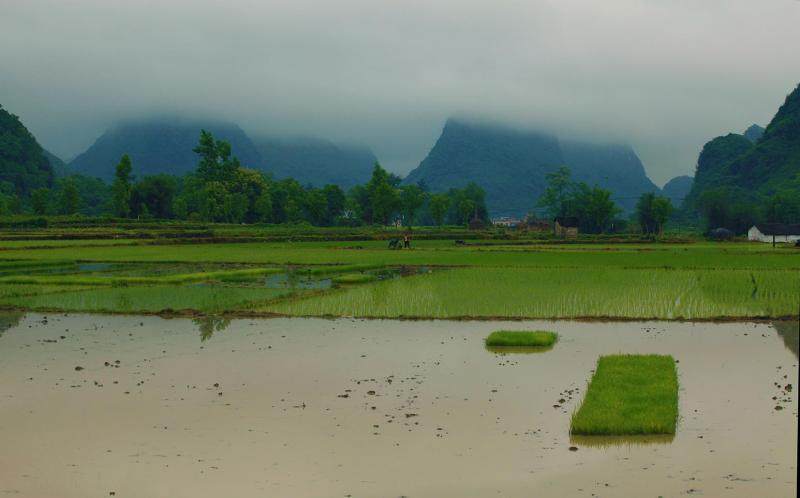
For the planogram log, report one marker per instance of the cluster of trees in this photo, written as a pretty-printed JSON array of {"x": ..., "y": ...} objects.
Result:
[
  {"x": 738, "y": 209},
  {"x": 222, "y": 190},
  {"x": 594, "y": 209}
]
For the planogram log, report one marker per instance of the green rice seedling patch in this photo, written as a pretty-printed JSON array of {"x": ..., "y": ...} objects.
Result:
[
  {"x": 562, "y": 293},
  {"x": 629, "y": 395},
  {"x": 17, "y": 290},
  {"x": 353, "y": 278},
  {"x": 521, "y": 338}
]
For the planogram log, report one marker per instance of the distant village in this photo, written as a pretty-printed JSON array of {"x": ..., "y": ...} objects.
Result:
[{"x": 772, "y": 233}]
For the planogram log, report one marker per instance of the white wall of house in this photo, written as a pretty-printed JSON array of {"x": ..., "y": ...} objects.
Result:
[{"x": 755, "y": 234}]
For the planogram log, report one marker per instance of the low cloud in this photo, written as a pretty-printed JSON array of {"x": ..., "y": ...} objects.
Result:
[{"x": 662, "y": 75}]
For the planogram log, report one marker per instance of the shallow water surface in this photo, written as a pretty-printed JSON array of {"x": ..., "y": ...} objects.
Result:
[{"x": 318, "y": 408}]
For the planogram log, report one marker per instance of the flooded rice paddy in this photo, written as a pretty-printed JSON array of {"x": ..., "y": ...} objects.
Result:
[{"x": 135, "y": 406}]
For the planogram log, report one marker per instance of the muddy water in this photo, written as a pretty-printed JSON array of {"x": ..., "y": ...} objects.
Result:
[{"x": 316, "y": 408}]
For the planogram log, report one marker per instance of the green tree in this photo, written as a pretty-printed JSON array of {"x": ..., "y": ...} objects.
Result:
[
  {"x": 594, "y": 208},
  {"x": 384, "y": 200},
  {"x": 336, "y": 202},
  {"x": 121, "y": 188},
  {"x": 560, "y": 188},
  {"x": 783, "y": 206},
  {"x": 154, "y": 194},
  {"x": 412, "y": 197},
  {"x": 69, "y": 201},
  {"x": 40, "y": 200},
  {"x": 263, "y": 207},
  {"x": 652, "y": 212},
  {"x": 216, "y": 162},
  {"x": 315, "y": 207},
  {"x": 728, "y": 207},
  {"x": 438, "y": 206}
]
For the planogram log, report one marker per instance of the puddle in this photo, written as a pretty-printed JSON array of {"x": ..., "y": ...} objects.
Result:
[{"x": 316, "y": 408}]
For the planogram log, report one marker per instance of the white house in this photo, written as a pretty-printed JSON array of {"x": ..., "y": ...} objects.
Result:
[
  {"x": 506, "y": 221},
  {"x": 777, "y": 232}
]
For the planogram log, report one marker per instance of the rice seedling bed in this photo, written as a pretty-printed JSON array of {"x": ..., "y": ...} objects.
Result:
[
  {"x": 629, "y": 395},
  {"x": 561, "y": 293},
  {"x": 353, "y": 278},
  {"x": 521, "y": 338}
]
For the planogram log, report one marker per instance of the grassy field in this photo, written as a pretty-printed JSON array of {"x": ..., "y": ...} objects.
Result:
[
  {"x": 487, "y": 278},
  {"x": 521, "y": 339},
  {"x": 434, "y": 253},
  {"x": 630, "y": 395}
]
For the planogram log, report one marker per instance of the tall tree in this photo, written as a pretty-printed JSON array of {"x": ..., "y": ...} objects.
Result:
[
  {"x": 438, "y": 206},
  {"x": 594, "y": 208},
  {"x": 412, "y": 197},
  {"x": 560, "y": 188},
  {"x": 653, "y": 211},
  {"x": 216, "y": 162},
  {"x": 121, "y": 188},
  {"x": 69, "y": 201},
  {"x": 40, "y": 200},
  {"x": 384, "y": 200}
]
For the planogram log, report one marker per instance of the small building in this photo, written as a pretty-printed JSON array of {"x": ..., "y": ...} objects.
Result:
[
  {"x": 774, "y": 232},
  {"x": 506, "y": 221},
  {"x": 565, "y": 226}
]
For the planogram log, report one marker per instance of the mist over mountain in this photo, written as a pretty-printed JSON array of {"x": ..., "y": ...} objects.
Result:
[
  {"x": 160, "y": 145},
  {"x": 511, "y": 165},
  {"x": 315, "y": 161}
]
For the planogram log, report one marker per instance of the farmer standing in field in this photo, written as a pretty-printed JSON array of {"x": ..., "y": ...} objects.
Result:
[{"x": 407, "y": 240}]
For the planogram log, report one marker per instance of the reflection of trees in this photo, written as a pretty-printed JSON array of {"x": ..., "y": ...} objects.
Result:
[
  {"x": 790, "y": 333},
  {"x": 210, "y": 324},
  {"x": 8, "y": 320}
]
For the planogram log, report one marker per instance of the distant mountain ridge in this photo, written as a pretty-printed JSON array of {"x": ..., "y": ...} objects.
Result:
[
  {"x": 511, "y": 165},
  {"x": 759, "y": 166},
  {"x": 160, "y": 145},
  {"x": 315, "y": 161},
  {"x": 164, "y": 145},
  {"x": 677, "y": 189}
]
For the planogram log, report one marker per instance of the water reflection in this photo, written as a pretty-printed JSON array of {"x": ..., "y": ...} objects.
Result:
[
  {"x": 790, "y": 333},
  {"x": 9, "y": 319},
  {"x": 504, "y": 350},
  {"x": 207, "y": 325},
  {"x": 608, "y": 441}
]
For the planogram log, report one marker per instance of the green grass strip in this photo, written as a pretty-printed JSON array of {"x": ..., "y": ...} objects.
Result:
[
  {"x": 630, "y": 395},
  {"x": 521, "y": 338},
  {"x": 224, "y": 275}
]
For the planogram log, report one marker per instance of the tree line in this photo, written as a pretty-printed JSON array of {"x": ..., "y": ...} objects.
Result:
[{"x": 222, "y": 190}]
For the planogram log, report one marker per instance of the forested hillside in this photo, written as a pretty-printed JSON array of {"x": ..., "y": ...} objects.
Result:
[{"x": 23, "y": 165}]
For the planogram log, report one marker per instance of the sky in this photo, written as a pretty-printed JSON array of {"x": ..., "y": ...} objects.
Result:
[{"x": 664, "y": 76}]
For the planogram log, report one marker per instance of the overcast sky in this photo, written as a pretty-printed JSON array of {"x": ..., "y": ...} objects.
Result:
[{"x": 662, "y": 75}]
